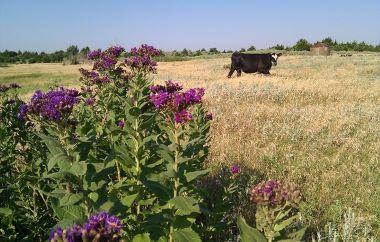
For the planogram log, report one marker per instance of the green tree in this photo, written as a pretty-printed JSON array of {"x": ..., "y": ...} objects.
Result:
[
  {"x": 72, "y": 50},
  {"x": 185, "y": 52},
  {"x": 328, "y": 41},
  {"x": 213, "y": 51},
  {"x": 302, "y": 45},
  {"x": 72, "y": 54},
  {"x": 85, "y": 51},
  {"x": 278, "y": 47},
  {"x": 251, "y": 48}
]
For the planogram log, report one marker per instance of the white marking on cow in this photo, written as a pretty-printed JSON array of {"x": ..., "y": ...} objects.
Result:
[{"x": 275, "y": 56}]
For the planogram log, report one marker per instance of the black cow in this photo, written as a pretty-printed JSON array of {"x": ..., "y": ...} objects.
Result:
[{"x": 250, "y": 63}]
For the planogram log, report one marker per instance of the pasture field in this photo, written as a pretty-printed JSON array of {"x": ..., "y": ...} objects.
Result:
[{"x": 315, "y": 121}]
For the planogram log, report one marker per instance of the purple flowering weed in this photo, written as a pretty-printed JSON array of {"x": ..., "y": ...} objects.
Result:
[
  {"x": 171, "y": 97},
  {"x": 101, "y": 225},
  {"x": 235, "y": 169},
  {"x": 52, "y": 105},
  {"x": 273, "y": 192}
]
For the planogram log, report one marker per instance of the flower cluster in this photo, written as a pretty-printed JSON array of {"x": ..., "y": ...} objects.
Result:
[
  {"x": 274, "y": 193},
  {"x": 99, "y": 227},
  {"x": 107, "y": 59},
  {"x": 141, "y": 58},
  {"x": 93, "y": 77},
  {"x": 235, "y": 169},
  {"x": 172, "y": 97},
  {"x": 52, "y": 105},
  {"x": 4, "y": 88}
]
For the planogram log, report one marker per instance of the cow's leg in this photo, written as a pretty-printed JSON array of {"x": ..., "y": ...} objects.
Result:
[
  {"x": 238, "y": 72},
  {"x": 232, "y": 69}
]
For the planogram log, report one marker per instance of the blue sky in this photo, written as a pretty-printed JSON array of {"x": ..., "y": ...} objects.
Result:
[{"x": 47, "y": 25}]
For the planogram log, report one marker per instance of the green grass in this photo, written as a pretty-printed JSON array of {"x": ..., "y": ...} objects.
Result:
[{"x": 39, "y": 76}]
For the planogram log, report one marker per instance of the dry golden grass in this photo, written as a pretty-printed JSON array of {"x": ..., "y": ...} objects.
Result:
[{"x": 315, "y": 121}]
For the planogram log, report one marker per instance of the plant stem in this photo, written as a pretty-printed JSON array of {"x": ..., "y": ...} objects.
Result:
[
  {"x": 176, "y": 181},
  {"x": 137, "y": 160}
]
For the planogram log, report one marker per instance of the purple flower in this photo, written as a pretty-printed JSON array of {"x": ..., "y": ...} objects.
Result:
[
  {"x": 113, "y": 224},
  {"x": 52, "y": 105},
  {"x": 56, "y": 232},
  {"x": 273, "y": 193},
  {"x": 159, "y": 99},
  {"x": 89, "y": 101},
  {"x": 170, "y": 97},
  {"x": 141, "y": 58},
  {"x": 235, "y": 169},
  {"x": 101, "y": 226},
  {"x": 182, "y": 117},
  {"x": 94, "y": 54},
  {"x": 115, "y": 50},
  {"x": 23, "y": 110},
  {"x": 121, "y": 124}
]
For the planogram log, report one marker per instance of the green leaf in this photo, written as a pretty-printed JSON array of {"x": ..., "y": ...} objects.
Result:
[
  {"x": 134, "y": 111},
  {"x": 161, "y": 191},
  {"x": 141, "y": 238},
  {"x": 249, "y": 234},
  {"x": 285, "y": 223},
  {"x": 166, "y": 154},
  {"x": 128, "y": 200},
  {"x": 186, "y": 235},
  {"x": 55, "y": 158},
  {"x": 5, "y": 212},
  {"x": 298, "y": 235},
  {"x": 61, "y": 159},
  {"x": 185, "y": 205},
  {"x": 71, "y": 213},
  {"x": 79, "y": 168},
  {"x": 93, "y": 196},
  {"x": 70, "y": 199},
  {"x": 282, "y": 214},
  {"x": 195, "y": 174},
  {"x": 52, "y": 144}
]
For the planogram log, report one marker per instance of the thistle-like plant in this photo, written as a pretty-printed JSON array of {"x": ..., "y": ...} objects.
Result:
[
  {"x": 24, "y": 209},
  {"x": 276, "y": 219}
]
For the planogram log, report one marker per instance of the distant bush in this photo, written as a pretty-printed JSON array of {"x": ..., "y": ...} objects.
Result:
[
  {"x": 213, "y": 51},
  {"x": 185, "y": 52},
  {"x": 301, "y": 45},
  {"x": 278, "y": 47},
  {"x": 242, "y": 50},
  {"x": 251, "y": 48}
]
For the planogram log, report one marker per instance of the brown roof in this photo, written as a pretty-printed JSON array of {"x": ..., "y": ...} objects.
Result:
[{"x": 319, "y": 44}]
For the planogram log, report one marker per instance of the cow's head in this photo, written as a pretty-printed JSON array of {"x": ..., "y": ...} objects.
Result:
[{"x": 274, "y": 58}]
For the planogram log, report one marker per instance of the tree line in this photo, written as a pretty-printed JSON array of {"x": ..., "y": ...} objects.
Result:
[
  {"x": 72, "y": 55},
  {"x": 304, "y": 45}
]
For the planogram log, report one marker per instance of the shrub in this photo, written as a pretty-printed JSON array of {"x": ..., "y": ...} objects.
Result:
[
  {"x": 24, "y": 209},
  {"x": 276, "y": 217},
  {"x": 251, "y": 48},
  {"x": 302, "y": 45},
  {"x": 213, "y": 51},
  {"x": 278, "y": 47},
  {"x": 124, "y": 146}
]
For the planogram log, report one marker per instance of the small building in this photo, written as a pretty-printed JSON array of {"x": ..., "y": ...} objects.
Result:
[{"x": 320, "y": 49}]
